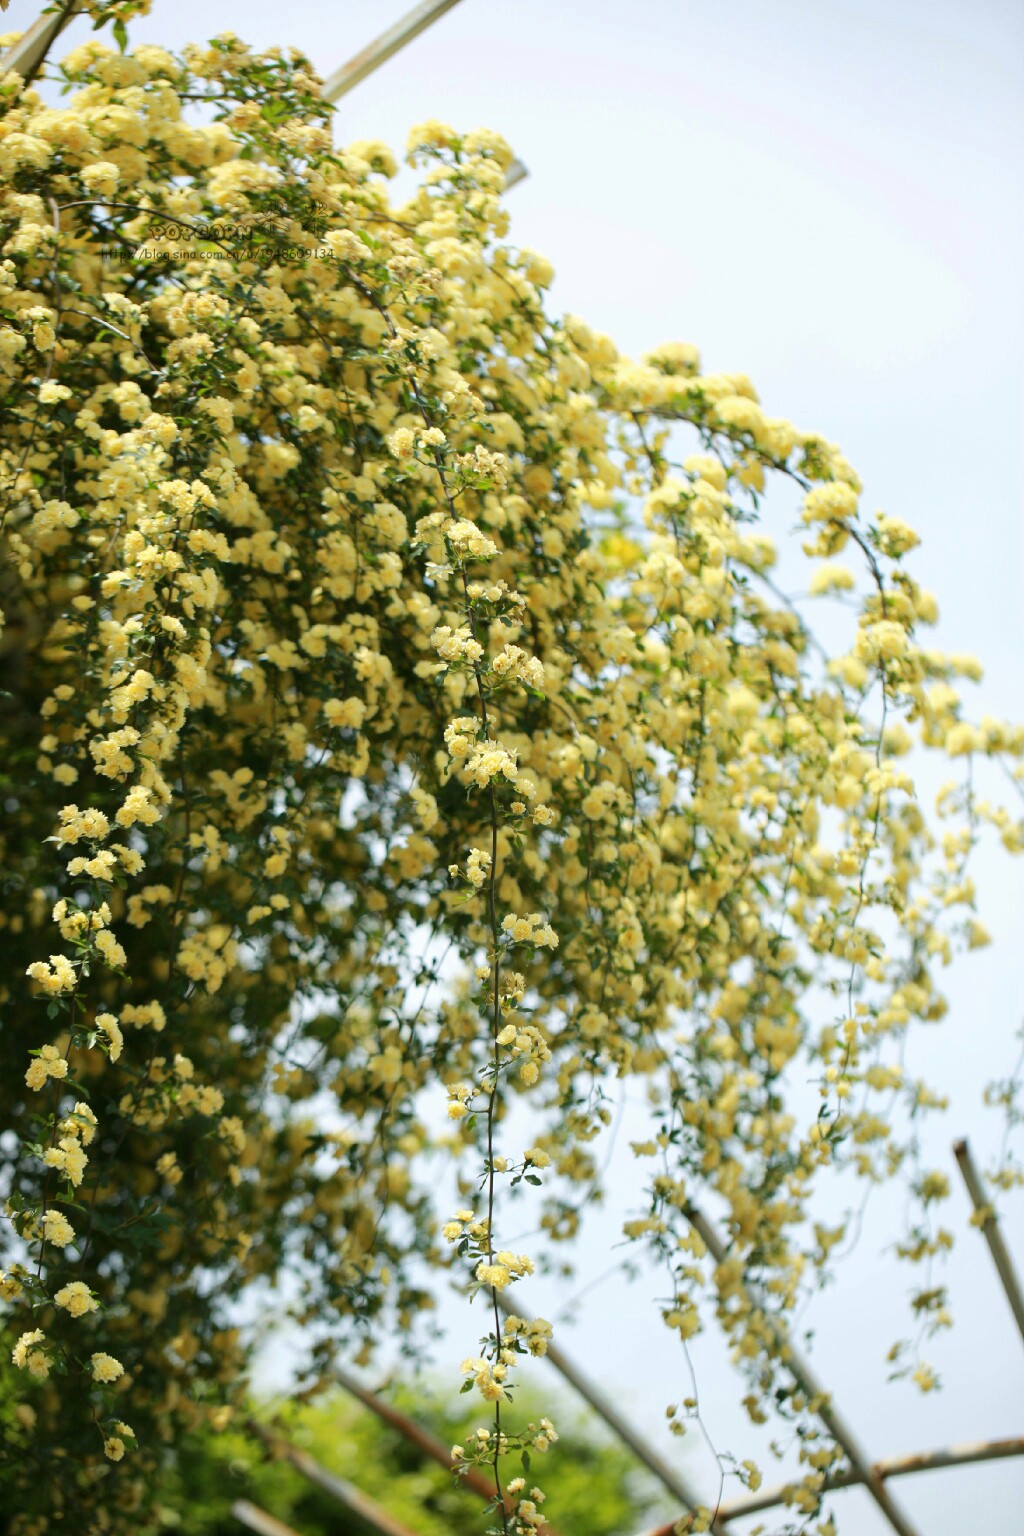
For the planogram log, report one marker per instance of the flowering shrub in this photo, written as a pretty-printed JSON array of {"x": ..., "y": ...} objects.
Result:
[{"x": 401, "y": 713}]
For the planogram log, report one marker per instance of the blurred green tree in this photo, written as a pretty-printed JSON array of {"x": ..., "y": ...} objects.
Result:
[{"x": 594, "y": 1483}]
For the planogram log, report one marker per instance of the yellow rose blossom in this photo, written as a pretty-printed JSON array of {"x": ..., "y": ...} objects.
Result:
[{"x": 105, "y": 1368}]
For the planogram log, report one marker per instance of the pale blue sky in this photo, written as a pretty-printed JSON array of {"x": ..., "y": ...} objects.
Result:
[{"x": 829, "y": 197}]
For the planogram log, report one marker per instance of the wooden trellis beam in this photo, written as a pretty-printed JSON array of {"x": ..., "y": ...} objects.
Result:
[
  {"x": 429, "y": 1444},
  {"x": 667, "y": 1475},
  {"x": 989, "y": 1223},
  {"x": 805, "y": 1378},
  {"x": 415, "y": 1433},
  {"x": 345, "y": 1493},
  {"x": 28, "y": 54},
  {"x": 256, "y": 1519},
  {"x": 384, "y": 47},
  {"x": 899, "y": 1466}
]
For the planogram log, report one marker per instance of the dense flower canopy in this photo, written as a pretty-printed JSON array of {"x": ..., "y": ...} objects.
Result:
[{"x": 406, "y": 737}]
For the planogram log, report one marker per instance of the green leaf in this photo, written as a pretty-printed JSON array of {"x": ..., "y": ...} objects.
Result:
[{"x": 120, "y": 34}]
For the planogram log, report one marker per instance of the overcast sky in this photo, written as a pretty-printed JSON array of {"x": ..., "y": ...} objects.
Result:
[{"x": 827, "y": 196}]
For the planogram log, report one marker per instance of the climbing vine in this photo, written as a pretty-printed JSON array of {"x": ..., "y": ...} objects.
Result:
[{"x": 407, "y": 738}]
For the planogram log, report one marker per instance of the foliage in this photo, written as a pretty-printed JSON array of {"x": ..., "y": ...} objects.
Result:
[
  {"x": 402, "y": 708},
  {"x": 593, "y": 1481}
]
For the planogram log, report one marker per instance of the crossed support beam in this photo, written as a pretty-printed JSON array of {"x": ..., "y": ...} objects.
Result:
[
  {"x": 862, "y": 1468},
  {"x": 899, "y": 1466},
  {"x": 28, "y": 55},
  {"x": 263, "y": 1524},
  {"x": 861, "y": 1472}
]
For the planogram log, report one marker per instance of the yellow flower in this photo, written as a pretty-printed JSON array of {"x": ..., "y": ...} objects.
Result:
[
  {"x": 495, "y": 1275},
  {"x": 105, "y": 1368},
  {"x": 57, "y": 1229},
  {"x": 76, "y": 1298},
  {"x": 831, "y": 578},
  {"x": 48, "y": 1063},
  {"x": 25, "y": 1355},
  {"x": 107, "y": 1023},
  {"x": 824, "y": 503}
]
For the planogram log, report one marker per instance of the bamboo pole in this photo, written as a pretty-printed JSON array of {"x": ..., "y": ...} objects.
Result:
[
  {"x": 989, "y": 1223},
  {"x": 805, "y": 1378},
  {"x": 258, "y": 1520},
  {"x": 899, "y": 1466},
  {"x": 351, "y": 1497},
  {"x": 27, "y": 55},
  {"x": 384, "y": 47},
  {"x": 667, "y": 1475}
]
